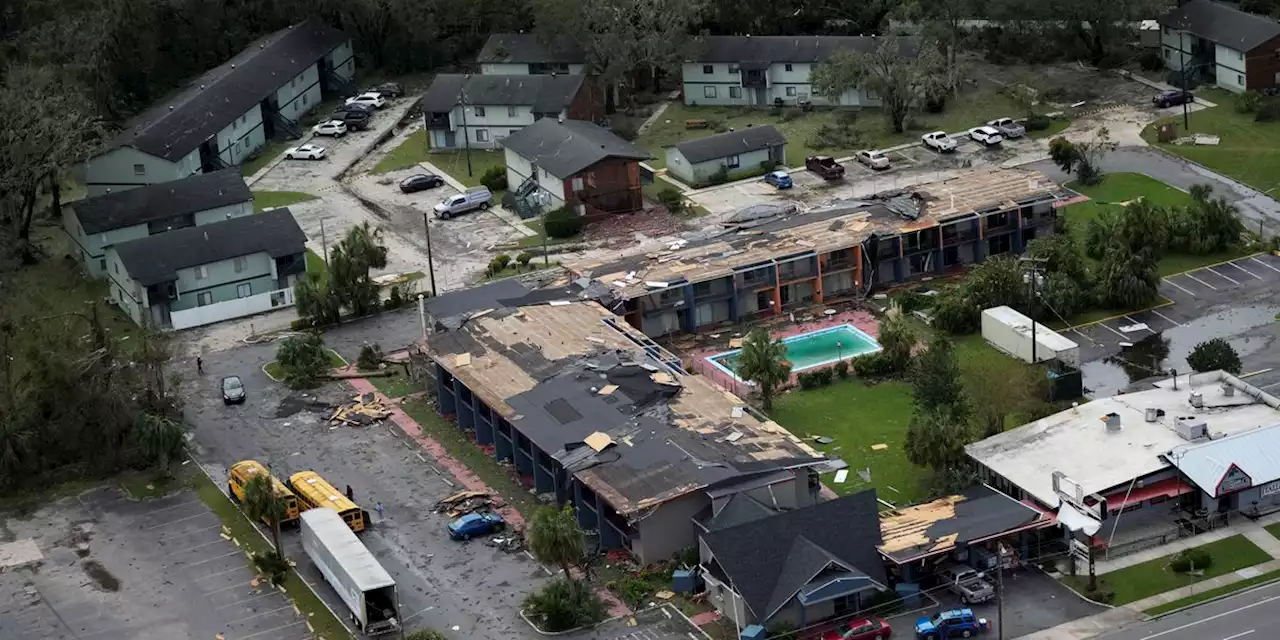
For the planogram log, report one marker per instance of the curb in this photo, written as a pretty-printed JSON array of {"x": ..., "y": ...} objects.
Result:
[
  {"x": 1224, "y": 596},
  {"x": 668, "y": 607}
]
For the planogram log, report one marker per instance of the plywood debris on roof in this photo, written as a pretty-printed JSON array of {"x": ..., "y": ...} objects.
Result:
[
  {"x": 598, "y": 441},
  {"x": 973, "y": 191},
  {"x": 907, "y": 528}
]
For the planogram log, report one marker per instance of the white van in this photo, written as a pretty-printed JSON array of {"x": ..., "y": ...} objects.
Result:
[{"x": 477, "y": 198}]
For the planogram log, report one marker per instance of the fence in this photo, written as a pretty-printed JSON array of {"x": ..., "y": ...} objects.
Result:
[{"x": 218, "y": 311}]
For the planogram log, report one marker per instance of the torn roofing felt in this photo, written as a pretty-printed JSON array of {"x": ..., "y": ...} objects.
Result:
[{"x": 980, "y": 512}]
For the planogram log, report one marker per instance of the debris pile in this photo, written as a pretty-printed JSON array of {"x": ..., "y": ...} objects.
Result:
[
  {"x": 464, "y": 502},
  {"x": 511, "y": 541},
  {"x": 364, "y": 410},
  {"x": 621, "y": 230}
]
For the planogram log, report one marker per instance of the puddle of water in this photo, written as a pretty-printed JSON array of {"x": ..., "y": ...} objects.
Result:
[
  {"x": 1157, "y": 353},
  {"x": 100, "y": 576}
]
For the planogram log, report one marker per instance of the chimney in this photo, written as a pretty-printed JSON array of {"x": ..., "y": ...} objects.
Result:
[
  {"x": 1197, "y": 399},
  {"x": 1112, "y": 420}
]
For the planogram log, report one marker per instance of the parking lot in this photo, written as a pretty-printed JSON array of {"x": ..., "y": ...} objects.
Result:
[
  {"x": 660, "y": 623},
  {"x": 115, "y": 569},
  {"x": 1235, "y": 300}
]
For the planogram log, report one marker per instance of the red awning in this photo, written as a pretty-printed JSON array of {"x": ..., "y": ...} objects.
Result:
[{"x": 1166, "y": 488}]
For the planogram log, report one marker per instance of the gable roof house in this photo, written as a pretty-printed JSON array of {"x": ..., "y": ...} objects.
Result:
[
  {"x": 797, "y": 567},
  {"x": 482, "y": 110},
  {"x": 743, "y": 151},
  {"x": 769, "y": 70},
  {"x": 1220, "y": 44},
  {"x": 95, "y": 223},
  {"x": 227, "y": 113},
  {"x": 510, "y": 54},
  {"x": 204, "y": 274},
  {"x": 553, "y": 164}
]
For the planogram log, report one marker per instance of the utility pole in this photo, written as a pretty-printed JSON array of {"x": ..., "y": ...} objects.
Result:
[
  {"x": 324, "y": 242},
  {"x": 1182, "y": 71},
  {"x": 431, "y": 264},
  {"x": 999, "y": 592},
  {"x": 1031, "y": 275},
  {"x": 466, "y": 136}
]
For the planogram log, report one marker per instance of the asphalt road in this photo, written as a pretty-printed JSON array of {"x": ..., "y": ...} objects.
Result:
[{"x": 1252, "y": 615}]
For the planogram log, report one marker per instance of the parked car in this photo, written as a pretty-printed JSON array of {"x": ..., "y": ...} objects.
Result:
[
  {"x": 475, "y": 524},
  {"x": 825, "y": 166},
  {"x": 939, "y": 141},
  {"x": 354, "y": 107},
  {"x": 860, "y": 629},
  {"x": 335, "y": 128},
  {"x": 232, "y": 390},
  {"x": 420, "y": 182},
  {"x": 305, "y": 152},
  {"x": 986, "y": 136},
  {"x": 1008, "y": 127},
  {"x": 966, "y": 582},
  {"x": 779, "y": 179},
  {"x": 372, "y": 99},
  {"x": 388, "y": 89},
  {"x": 356, "y": 120},
  {"x": 875, "y": 159},
  {"x": 956, "y": 623},
  {"x": 472, "y": 199},
  {"x": 1173, "y": 98}
]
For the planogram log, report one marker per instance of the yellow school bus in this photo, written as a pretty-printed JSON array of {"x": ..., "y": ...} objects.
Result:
[
  {"x": 315, "y": 493},
  {"x": 240, "y": 474}
]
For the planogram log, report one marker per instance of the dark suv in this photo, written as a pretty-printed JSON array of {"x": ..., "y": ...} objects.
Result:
[
  {"x": 357, "y": 120},
  {"x": 1173, "y": 98}
]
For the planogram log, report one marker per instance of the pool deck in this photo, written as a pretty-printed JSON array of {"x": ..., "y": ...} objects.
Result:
[{"x": 861, "y": 320}]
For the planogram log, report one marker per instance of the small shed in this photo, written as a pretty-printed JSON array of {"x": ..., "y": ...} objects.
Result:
[
  {"x": 1011, "y": 332},
  {"x": 737, "y": 152}
]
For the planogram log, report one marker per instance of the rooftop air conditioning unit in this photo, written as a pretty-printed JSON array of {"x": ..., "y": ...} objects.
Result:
[
  {"x": 1191, "y": 427},
  {"x": 1197, "y": 399}
]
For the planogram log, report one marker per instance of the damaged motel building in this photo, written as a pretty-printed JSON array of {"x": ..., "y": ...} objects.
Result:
[{"x": 593, "y": 414}]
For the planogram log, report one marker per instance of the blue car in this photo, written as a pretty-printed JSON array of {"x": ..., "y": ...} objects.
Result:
[
  {"x": 946, "y": 625},
  {"x": 779, "y": 179},
  {"x": 475, "y": 524}
]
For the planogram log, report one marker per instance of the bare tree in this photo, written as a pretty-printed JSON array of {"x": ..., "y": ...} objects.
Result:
[{"x": 903, "y": 81}]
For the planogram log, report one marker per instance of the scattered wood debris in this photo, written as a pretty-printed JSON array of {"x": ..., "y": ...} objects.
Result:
[
  {"x": 366, "y": 409},
  {"x": 464, "y": 502}
]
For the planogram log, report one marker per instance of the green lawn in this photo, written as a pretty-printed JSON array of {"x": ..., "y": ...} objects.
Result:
[
  {"x": 1154, "y": 576},
  {"x": 968, "y": 111},
  {"x": 394, "y": 386},
  {"x": 318, "y": 616},
  {"x": 535, "y": 225},
  {"x": 1056, "y": 126},
  {"x": 514, "y": 269},
  {"x": 1209, "y": 594},
  {"x": 273, "y": 371},
  {"x": 1249, "y": 151},
  {"x": 1118, "y": 188},
  {"x": 414, "y": 150},
  {"x": 269, "y": 199},
  {"x": 268, "y": 153},
  {"x": 1274, "y": 530}
]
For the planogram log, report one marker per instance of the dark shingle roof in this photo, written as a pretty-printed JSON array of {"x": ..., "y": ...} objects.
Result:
[
  {"x": 912, "y": 533},
  {"x": 732, "y": 143},
  {"x": 175, "y": 126},
  {"x": 1222, "y": 24},
  {"x": 787, "y": 48},
  {"x": 545, "y": 93},
  {"x": 200, "y": 192},
  {"x": 769, "y": 559},
  {"x": 527, "y": 48},
  {"x": 158, "y": 258},
  {"x": 741, "y": 508},
  {"x": 565, "y": 148}
]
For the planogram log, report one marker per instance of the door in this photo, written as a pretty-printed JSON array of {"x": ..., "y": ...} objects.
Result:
[{"x": 450, "y": 140}]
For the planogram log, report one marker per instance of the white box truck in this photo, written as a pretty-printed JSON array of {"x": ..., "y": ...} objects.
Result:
[
  {"x": 1010, "y": 331},
  {"x": 362, "y": 584}
]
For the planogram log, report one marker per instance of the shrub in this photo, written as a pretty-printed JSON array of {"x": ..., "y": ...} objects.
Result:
[
  {"x": 370, "y": 357},
  {"x": 300, "y": 324},
  {"x": 626, "y": 130},
  {"x": 272, "y": 565},
  {"x": 823, "y": 376},
  {"x": 775, "y": 111},
  {"x": 1248, "y": 102},
  {"x": 721, "y": 176},
  {"x": 842, "y": 369},
  {"x": 1037, "y": 122},
  {"x": 498, "y": 263},
  {"x": 631, "y": 589},
  {"x": 1150, "y": 61},
  {"x": 872, "y": 365},
  {"x": 722, "y": 128},
  {"x": 768, "y": 165},
  {"x": 1088, "y": 174},
  {"x": 955, "y": 314},
  {"x": 834, "y": 137},
  {"x": 1191, "y": 560},
  {"x": 790, "y": 114},
  {"x": 672, "y": 199},
  {"x": 396, "y": 298},
  {"x": 426, "y": 634},
  {"x": 524, "y": 259},
  {"x": 806, "y": 380},
  {"x": 562, "y": 223},
  {"x": 495, "y": 178},
  {"x": 302, "y": 359},
  {"x": 1104, "y": 593},
  {"x": 847, "y": 117},
  {"x": 563, "y": 605},
  {"x": 1268, "y": 111}
]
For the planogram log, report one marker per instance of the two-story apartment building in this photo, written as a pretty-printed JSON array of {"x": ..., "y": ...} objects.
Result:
[
  {"x": 95, "y": 223},
  {"x": 516, "y": 54},
  {"x": 225, "y": 115},
  {"x": 831, "y": 253},
  {"x": 551, "y": 164},
  {"x": 761, "y": 70},
  {"x": 1220, "y": 44},
  {"x": 203, "y": 274},
  {"x": 481, "y": 110}
]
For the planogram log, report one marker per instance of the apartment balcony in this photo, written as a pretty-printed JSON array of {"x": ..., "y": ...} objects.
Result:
[
  {"x": 919, "y": 241},
  {"x": 1000, "y": 222},
  {"x": 797, "y": 273},
  {"x": 755, "y": 78},
  {"x": 839, "y": 265},
  {"x": 437, "y": 120},
  {"x": 952, "y": 236},
  {"x": 710, "y": 290}
]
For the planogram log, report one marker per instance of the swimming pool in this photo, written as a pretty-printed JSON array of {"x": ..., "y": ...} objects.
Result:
[{"x": 813, "y": 349}]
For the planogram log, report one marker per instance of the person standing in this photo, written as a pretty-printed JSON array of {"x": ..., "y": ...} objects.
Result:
[
  {"x": 382, "y": 512},
  {"x": 199, "y": 364}
]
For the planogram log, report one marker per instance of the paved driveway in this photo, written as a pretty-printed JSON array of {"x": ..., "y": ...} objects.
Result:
[{"x": 660, "y": 623}]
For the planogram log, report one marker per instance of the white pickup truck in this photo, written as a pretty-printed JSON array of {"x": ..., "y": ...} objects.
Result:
[{"x": 938, "y": 141}]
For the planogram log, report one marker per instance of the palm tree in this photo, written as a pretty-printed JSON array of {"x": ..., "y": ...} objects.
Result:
[
  {"x": 763, "y": 361},
  {"x": 262, "y": 503},
  {"x": 160, "y": 439},
  {"x": 555, "y": 537}
]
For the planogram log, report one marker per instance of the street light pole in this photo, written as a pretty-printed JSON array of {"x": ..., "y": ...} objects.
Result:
[
  {"x": 431, "y": 264},
  {"x": 466, "y": 134}
]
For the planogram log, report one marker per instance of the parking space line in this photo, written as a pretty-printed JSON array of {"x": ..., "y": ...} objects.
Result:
[
  {"x": 233, "y": 585},
  {"x": 1265, "y": 264},
  {"x": 210, "y": 575},
  {"x": 291, "y": 624},
  {"x": 1273, "y": 384},
  {"x": 1146, "y": 326},
  {"x": 1200, "y": 281},
  {"x": 1103, "y": 324},
  {"x": 1245, "y": 270},
  {"x": 199, "y": 546},
  {"x": 263, "y": 613},
  {"x": 172, "y": 506},
  {"x": 237, "y": 603},
  {"x": 165, "y": 524},
  {"x": 1224, "y": 277},
  {"x": 1184, "y": 289},
  {"x": 1175, "y": 322},
  {"x": 170, "y": 537},
  {"x": 225, "y": 555}
]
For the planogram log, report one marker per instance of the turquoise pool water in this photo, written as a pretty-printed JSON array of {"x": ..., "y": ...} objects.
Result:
[{"x": 813, "y": 349}]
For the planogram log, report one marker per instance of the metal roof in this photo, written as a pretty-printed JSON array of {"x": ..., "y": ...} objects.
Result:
[
  {"x": 347, "y": 549},
  {"x": 1256, "y": 453},
  {"x": 1222, "y": 24}
]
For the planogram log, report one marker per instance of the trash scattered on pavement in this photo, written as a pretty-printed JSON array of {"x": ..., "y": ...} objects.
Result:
[{"x": 366, "y": 409}]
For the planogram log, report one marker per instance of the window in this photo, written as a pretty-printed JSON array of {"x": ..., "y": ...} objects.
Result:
[
  {"x": 1239, "y": 56},
  {"x": 482, "y": 135},
  {"x": 735, "y": 92},
  {"x": 479, "y": 112},
  {"x": 139, "y": 169},
  {"x": 1166, "y": 54},
  {"x": 511, "y": 112},
  {"x": 293, "y": 83},
  {"x": 708, "y": 69},
  {"x": 791, "y": 92},
  {"x": 788, "y": 67},
  {"x": 733, "y": 68},
  {"x": 241, "y": 264},
  {"x": 204, "y": 298},
  {"x": 304, "y": 99},
  {"x": 591, "y": 178},
  {"x": 244, "y": 290},
  {"x": 243, "y": 119},
  {"x": 702, "y": 288},
  {"x": 1239, "y": 79},
  {"x": 871, "y": 95},
  {"x": 732, "y": 162},
  {"x": 708, "y": 92},
  {"x": 102, "y": 264},
  {"x": 577, "y": 183},
  {"x": 202, "y": 272},
  {"x": 1166, "y": 31},
  {"x": 117, "y": 266}
]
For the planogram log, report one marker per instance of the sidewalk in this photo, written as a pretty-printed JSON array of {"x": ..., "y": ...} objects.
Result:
[{"x": 1255, "y": 531}]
